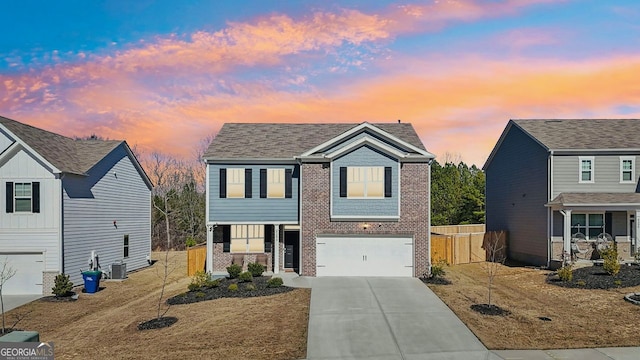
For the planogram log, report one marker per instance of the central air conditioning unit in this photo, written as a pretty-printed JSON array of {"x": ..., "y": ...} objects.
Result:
[{"x": 119, "y": 271}]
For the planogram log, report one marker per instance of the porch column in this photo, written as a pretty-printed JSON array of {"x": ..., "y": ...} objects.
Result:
[
  {"x": 209, "y": 258},
  {"x": 276, "y": 250},
  {"x": 636, "y": 233},
  {"x": 567, "y": 233}
]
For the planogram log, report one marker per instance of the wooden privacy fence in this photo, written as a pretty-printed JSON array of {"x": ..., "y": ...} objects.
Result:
[
  {"x": 196, "y": 257},
  {"x": 462, "y": 248}
]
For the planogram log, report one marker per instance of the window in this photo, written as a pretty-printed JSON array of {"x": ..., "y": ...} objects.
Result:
[
  {"x": 586, "y": 170},
  {"x": 627, "y": 169},
  {"x": 235, "y": 183},
  {"x": 126, "y": 246},
  {"x": 365, "y": 182},
  {"x": 591, "y": 225},
  {"x": 275, "y": 183},
  {"x": 247, "y": 238},
  {"x": 23, "y": 197}
]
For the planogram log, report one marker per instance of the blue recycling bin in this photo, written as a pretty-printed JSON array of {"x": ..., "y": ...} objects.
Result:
[{"x": 91, "y": 280}]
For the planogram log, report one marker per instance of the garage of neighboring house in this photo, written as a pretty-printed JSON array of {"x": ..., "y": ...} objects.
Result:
[
  {"x": 364, "y": 256},
  {"x": 27, "y": 279}
]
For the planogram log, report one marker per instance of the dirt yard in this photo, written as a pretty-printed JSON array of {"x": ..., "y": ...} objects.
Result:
[
  {"x": 580, "y": 318},
  {"x": 104, "y": 325}
]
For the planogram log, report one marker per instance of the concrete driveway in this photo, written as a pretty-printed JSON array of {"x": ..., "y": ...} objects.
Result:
[
  {"x": 385, "y": 318},
  {"x": 14, "y": 301}
]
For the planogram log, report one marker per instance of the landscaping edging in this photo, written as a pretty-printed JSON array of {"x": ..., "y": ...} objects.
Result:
[{"x": 630, "y": 298}]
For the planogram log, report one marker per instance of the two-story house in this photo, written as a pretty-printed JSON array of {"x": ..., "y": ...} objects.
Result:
[
  {"x": 552, "y": 182},
  {"x": 63, "y": 199},
  {"x": 319, "y": 199}
]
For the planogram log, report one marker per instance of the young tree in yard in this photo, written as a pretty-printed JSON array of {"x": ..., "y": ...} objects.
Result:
[
  {"x": 494, "y": 245},
  {"x": 6, "y": 273}
]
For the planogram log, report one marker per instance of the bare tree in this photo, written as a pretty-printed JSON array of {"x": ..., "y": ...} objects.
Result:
[
  {"x": 6, "y": 273},
  {"x": 494, "y": 245}
]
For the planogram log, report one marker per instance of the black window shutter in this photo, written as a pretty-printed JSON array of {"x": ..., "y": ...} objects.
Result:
[
  {"x": 343, "y": 181},
  {"x": 35, "y": 197},
  {"x": 223, "y": 183},
  {"x": 226, "y": 238},
  {"x": 263, "y": 183},
  {"x": 9, "y": 197},
  {"x": 387, "y": 181},
  {"x": 268, "y": 237},
  {"x": 288, "y": 185},
  {"x": 247, "y": 183}
]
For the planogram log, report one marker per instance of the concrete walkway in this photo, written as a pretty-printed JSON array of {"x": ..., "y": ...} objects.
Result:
[{"x": 400, "y": 318}]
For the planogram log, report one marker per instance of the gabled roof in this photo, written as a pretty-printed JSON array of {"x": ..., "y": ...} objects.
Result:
[
  {"x": 577, "y": 134},
  {"x": 285, "y": 141},
  {"x": 65, "y": 154},
  {"x": 583, "y": 134}
]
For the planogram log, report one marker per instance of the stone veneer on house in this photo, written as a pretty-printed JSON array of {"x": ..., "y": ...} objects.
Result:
[{"x": 315, "y": 213}]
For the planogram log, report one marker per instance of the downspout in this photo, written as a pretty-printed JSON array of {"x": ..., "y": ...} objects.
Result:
[
  {"x": 300, "y": 252},
  {"x": 60, "y": 230},
  {"x": 209, "y": 228},
  {"x": 429, "y": 215},
  {"x": 549, "y": 210}
]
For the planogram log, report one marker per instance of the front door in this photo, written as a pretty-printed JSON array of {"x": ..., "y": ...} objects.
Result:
[{"x": 292, "y": 250}]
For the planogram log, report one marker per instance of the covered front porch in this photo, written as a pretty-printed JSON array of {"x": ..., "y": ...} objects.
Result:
[
  {"x": 276, "y": 246},
  {"x": 584, "y": 223}
]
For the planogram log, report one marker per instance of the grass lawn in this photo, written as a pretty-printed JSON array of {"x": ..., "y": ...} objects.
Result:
[
  {"x": 104, "y": 325},
  {"x": 580, "y": 318}
]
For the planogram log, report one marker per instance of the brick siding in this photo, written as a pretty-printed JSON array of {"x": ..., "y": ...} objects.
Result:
[{"x": 414, "y": 214}]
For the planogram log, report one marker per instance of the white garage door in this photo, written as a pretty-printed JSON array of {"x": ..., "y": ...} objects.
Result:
[
  {"x": 364, "y": 256},
  {"x": 28, "y": 276}
]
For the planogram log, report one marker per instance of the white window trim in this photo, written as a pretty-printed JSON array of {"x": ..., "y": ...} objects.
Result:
[
  {"x": 247, "y": 239},
  {"x": 633, "y": 169},
  {"x": 270, "y": 183},
  {"x": 365, "y": 184},
  {"x": 593, "y": 169},
  {"x": 585, "y": 226},
  {"x": 16, "y": 197},
  {"x": 241, "y": 178}
]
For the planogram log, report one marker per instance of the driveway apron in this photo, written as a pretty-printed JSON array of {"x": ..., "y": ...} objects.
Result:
[{"x": 385, "y": 318}]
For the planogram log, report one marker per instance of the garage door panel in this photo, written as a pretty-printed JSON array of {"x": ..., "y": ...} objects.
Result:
[
  {"x": 28, "y": 269},
  {"x": 364, "y": 256}
]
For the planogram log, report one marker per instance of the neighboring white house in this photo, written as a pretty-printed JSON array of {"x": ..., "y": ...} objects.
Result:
[{"x": 62, "y": 199}]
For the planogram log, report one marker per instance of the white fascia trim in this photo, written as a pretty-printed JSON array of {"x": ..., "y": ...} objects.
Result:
[
  {"x": 24, "y": 145},
  {"x": 367, "y": 141},
  {"x": 266, "y": 222},
  {"x": 364, "y": 218},
  {"x": 251, "y": 161},
  {"x": 373, "y": 128}
]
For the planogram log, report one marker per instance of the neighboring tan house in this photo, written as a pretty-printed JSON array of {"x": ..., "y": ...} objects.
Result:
[
  {"x": 554, "y": 183},
  {"x": 319, "y": 199},
  {"x": 64, "y": 198}
]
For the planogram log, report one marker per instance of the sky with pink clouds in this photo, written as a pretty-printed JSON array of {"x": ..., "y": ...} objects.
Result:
[{"x": 164, "y": 74}]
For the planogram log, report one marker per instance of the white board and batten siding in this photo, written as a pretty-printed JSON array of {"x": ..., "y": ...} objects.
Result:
[
  {"x": 116, "y": 192},
  {"x": 364, "y": 256},
  {"x": 31, "y": 236}
]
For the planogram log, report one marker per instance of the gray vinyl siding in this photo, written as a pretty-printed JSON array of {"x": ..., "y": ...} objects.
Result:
[
  {"x": 619, "y": 223},
  {"x": 606, "y": 170},
  {"x": 113, "y": 191},
  {"x": 254, "y": 209},
  {"x": 516, "y": 194},
  {"x": 558, "y": 224},
  {"x": 364, "y": 156}
]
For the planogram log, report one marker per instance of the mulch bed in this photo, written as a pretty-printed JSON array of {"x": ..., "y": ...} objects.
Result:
[
  {"x": 67, "y": 297},
  {"x": 222, "y": 291},
  {"x": 493, "y": 310},
  {"x": 594, "y": 277},
  {"x": 158, "y": 323},
  {"x": 435, "y": 280}
]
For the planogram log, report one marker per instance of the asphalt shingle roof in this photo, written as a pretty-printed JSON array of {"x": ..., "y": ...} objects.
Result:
[
  {"x": 284, "y": 141},
  {"x": 583, "y": 134},
  {"x": 596, "y": 199},
  {"x": 66, "y": 154}
]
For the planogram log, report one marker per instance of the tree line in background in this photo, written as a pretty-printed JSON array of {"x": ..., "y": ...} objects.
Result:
[
  {"x": 457, "y": 196},
  {"x": 457, "y": 193}
]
